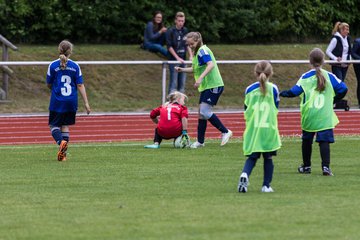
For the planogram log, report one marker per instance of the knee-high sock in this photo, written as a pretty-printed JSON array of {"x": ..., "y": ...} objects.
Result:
[
  {"x": 325, "y": 154},
  {"x": 306, "y": 152},
  {"x": 56, "y": 134},
  {"x": 268, "y": 171},
  {"x": 65, "y": 136},
  {"x": 202, "y": 123},
  {"x": 249, "y": 165},
  {"x": 215, "y": 121}
]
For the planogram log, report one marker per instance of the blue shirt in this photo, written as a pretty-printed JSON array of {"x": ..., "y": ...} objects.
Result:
[
  {"x": 337, "y": 84},
  {"x": 204, "y": 57},
  {"x": 256, "y": 85},
  {"x": 64, "y": 97}
]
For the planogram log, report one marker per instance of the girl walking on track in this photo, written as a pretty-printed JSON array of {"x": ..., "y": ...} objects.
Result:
[
  {"x": 261, "y": 136},
  {"x": 64, "y": 78},
  {"x": 209, "y": 83},
  {"x": 318, "y": 90}
]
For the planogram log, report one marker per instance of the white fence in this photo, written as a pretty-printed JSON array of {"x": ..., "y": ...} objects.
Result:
[{"x": 164, "y": 65}]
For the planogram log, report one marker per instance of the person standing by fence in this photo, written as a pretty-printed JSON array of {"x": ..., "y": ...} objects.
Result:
[
  {"x": 339, "y": 49},
  {"x": 209, "y": 83},
  {"x": 355, "y": 53},
  {"x": 64, "y": 78},
  {"x": 177, "y": 52}
]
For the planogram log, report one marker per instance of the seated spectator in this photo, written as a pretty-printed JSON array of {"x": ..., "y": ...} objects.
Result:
[{"x": 154, "y": 35}]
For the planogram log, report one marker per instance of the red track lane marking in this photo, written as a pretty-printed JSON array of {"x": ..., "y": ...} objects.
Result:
[{"x": 138, "y": 127}]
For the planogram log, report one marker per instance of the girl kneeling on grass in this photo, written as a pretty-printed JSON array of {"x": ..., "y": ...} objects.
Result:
[
  {"x": 261, "y": 136},
  {"x": 171, "y": 119},
  {"x": 318, "y": 90}
]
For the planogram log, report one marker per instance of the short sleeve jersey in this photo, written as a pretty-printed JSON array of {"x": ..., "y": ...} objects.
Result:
[
  {"x": 170, "y": 124},
  {"x": 64, "y": 97}
]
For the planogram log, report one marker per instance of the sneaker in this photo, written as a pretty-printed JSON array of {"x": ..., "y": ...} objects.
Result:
[
  {"x": 225, "y": 137},
  {"x": 243, "y": 182},
  {"x": 197, "y": 145},
  {"x": 62, "y": 151},
  {"x": 154, "y": 146},
  {"x": 267, "y": 189},
  {"x": 303, "y": 169},
  {"x": 327, "y": 171}
]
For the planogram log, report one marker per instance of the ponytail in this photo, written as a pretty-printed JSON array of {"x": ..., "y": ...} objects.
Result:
[
  {"x": 316, "y": 60},
  {"x": 65, "y": 50},
  {"x": 263, "y": 71}
]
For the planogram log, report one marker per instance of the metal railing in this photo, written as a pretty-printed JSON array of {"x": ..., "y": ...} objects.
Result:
[
  {"x": 5, "y": 69},
  {"x": 165, "y": 64}
]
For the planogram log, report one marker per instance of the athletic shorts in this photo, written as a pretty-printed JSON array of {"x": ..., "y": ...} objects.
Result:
[
  {"x": 321, "y": 136},
  {"x": 58, "y": 119},
  {"x": 211, "y": 96},
  {"x": 266, "y": 155}
]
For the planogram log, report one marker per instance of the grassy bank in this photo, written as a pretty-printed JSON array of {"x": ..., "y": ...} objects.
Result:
[{"x": 114, "y": 88}]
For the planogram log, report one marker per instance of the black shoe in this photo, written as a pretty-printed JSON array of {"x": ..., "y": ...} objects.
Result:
[
  {"x": 303, "y": 169},
  {"x": 327, "y": 171}
]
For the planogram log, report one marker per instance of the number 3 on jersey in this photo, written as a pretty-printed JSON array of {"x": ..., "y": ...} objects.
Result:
[
  {"x": 260, "y": 119},
  {"x": 66, "y": 90}
]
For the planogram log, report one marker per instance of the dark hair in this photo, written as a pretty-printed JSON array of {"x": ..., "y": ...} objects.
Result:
[{"x": 157, "y": 26}]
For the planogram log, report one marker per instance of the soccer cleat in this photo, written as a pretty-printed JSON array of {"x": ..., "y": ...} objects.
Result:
[
  {"x": 62, "y": 151},
  {"x": 303, "y": 169},
  {"x": 197, "y": 145},
  {"x": 243, "y": 182},
  {"x": 225, "y": 137},
  {"x": 267, "y": 189},
  {"x": 327, "y": 171},
  {"x": 154, "y": 146}
]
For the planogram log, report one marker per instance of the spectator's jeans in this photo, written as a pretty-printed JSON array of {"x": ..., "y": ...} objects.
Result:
[
  {"x": 357, "y": 73},
  {"x": 177, "y": 79},
  {"x": 156, "y": 47},
  {"x": 340, "y": 72}
]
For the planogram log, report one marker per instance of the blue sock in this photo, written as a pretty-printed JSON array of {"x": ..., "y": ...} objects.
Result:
[
  {"x": 249, "y": 165},
  {"x": 202, "y": 123},
  {"x": 215, "y": 121},
  {"x": 65, "y": 136},
  {"x": 56, "y": 134},
  {"x": 268, "y": 171}
]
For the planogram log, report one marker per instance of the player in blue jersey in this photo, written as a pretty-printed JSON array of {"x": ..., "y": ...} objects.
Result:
[
  {"x": 318, "y": 89},
  {"x": 64, "y": 78}
]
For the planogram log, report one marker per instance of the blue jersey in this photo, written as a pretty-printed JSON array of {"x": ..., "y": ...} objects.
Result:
[
  {"x": 203, "y": 57},
  {"x": 64, "y": 97},
  {"x": 275, "y": 90},
  {"x": 337, "y": 84}
]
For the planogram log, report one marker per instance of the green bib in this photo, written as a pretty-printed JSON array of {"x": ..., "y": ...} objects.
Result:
[
  {"x": 261, "y": 133},
  {"x": 213, "y": 78},
  {"x": 317, "y": 111}
]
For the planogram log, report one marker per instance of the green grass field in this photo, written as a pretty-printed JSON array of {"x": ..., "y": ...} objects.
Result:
[{"x": 123, "y": 191}]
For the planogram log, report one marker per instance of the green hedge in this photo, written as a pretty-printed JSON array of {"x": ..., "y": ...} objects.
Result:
[{"x": 123, "y": 22}]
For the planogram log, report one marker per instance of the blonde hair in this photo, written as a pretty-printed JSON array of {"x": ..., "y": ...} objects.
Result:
[
  {"x": 174, "y": 97},
  {"x": 65, "y": 50},
  {"x": 263, "y": 71},
  {"x": 196, "y": 36},
  {"x": 339, "y": 26},
  {"x": 179, "y": 14},
  {"x": 316, "y": 57}
]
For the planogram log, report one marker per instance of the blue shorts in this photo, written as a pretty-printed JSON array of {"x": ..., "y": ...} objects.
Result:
[
  {"x": 58, "y": 119},
  {"x": 321, "y": 136},
  {"x": 266, "y": 155},
  {"x": 211, "y": 96}
]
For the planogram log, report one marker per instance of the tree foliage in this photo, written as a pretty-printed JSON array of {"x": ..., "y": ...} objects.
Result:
[{"x": 231, "y": 21}]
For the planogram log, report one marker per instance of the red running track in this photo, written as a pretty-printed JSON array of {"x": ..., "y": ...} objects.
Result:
[{"x": 136, "y": 127}]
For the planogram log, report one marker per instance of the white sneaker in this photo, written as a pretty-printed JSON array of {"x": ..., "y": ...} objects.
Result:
[
  {"x": 197, "y": 145},
  {"x": 243, "y": 182},
  {"x": 267, "y": 189},
  {"x": 225, "y": 137}
]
